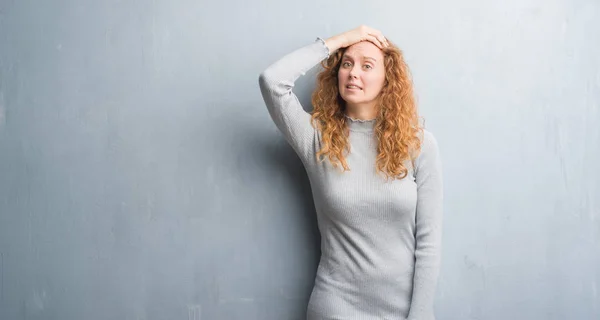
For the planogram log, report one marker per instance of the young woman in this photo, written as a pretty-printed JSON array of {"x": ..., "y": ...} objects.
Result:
[{"x": 375, "y": 173}]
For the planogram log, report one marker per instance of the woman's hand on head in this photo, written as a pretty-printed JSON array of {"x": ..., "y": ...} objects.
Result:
[{"x": 361, "y": 33}]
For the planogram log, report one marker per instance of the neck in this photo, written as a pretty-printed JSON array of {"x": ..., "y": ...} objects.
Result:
[{"x": 361, "y": 112}]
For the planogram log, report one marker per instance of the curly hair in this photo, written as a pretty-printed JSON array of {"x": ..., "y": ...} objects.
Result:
[{"x": 397, "y": 125}]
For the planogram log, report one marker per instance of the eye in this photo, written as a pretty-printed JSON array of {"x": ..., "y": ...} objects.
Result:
[
  {"x": 346, "y": 64},
  {"x": 368, "y": 66}
]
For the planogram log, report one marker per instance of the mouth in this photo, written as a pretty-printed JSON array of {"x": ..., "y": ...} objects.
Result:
[{"x": 353, "y": 87}]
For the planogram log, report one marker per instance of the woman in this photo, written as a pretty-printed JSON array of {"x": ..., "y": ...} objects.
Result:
[{"x": 375, "y": 174}]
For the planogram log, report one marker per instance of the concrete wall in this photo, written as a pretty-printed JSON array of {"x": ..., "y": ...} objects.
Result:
[{"x": 141, "y": 177}]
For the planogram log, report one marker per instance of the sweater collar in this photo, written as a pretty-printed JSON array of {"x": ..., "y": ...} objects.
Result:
[{"x": 360, "y": 125}]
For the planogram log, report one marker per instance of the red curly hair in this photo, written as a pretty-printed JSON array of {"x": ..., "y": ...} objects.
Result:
[{"x": 397, "y": 125}]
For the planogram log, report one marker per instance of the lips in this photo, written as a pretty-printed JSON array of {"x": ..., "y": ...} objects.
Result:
[{"x": 353, "y": 87}]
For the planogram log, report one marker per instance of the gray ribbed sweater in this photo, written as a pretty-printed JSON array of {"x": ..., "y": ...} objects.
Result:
[{"x": 380, "y": 241}]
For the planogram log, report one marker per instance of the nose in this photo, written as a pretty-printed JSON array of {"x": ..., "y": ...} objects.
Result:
[{"x": 353, "y": 72}]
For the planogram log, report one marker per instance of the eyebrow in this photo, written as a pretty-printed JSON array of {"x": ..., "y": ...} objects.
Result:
[{"x": 366, "y": 58}]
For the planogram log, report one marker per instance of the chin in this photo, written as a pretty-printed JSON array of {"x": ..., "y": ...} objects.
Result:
[
  {"x": 349, "y": 98},
  {"x": 352, "y": 101}
]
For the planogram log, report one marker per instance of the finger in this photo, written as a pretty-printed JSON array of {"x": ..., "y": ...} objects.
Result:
[
  {"x": 375, "y": 41},
  {"x": 377, "y": 34},
  {"x": 382, "y": 39}
]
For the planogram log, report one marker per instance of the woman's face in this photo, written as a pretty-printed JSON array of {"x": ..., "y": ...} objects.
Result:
[{"x": 362, "y": 74}]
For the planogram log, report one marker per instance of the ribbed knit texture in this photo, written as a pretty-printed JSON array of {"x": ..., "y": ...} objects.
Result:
[{"x": 380, "y": 240}]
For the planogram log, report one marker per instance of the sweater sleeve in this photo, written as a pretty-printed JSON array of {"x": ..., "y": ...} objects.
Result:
[
  {"x": 428, "y": 175},
  {"x": 276, "y": 84}
]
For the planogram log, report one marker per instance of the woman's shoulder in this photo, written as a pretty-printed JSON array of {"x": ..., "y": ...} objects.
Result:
[
  {"x": 428, "y": 138},
  {"x": 429, "y": 143}
]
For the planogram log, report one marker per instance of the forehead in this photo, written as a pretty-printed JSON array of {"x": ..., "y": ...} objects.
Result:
[{"x": 364, "y": 49}]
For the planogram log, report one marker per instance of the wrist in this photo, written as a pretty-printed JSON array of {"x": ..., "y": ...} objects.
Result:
[{"x": 333, "y": 43}]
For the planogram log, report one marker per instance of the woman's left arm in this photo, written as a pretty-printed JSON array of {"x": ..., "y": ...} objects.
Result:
[{"x": 428, "y": 175}]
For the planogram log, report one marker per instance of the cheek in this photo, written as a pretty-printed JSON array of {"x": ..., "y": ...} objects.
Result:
[
  {"x": 340, "y": 76},
  {"x": 376, "y": 81},
  {"x": 373, "y": 86}
]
